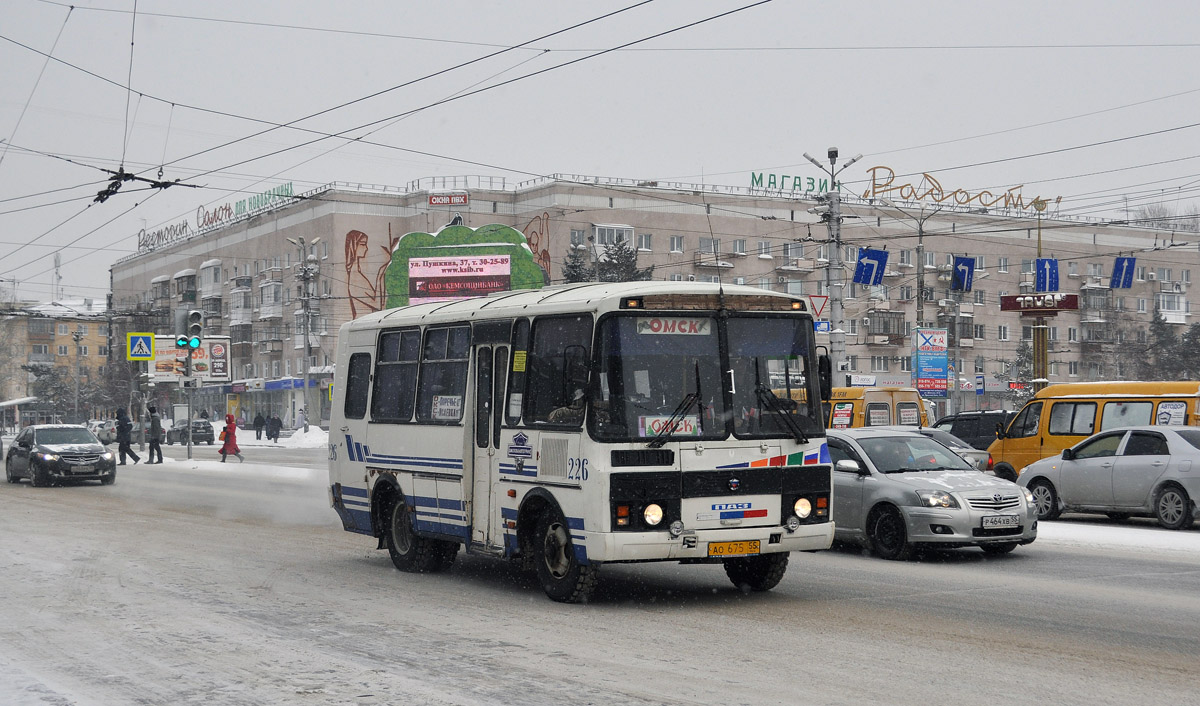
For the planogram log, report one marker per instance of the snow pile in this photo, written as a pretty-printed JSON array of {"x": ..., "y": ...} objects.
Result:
[
  {"x": 1094, "y": 535},
  {"x": 315, "y": 438}
]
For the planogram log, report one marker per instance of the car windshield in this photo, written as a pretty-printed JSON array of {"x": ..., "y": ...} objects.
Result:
[
  {"x": 70, "y": 435},
  {"x": 1192, "y": 436},
  {"x": 914, "y": 452}
]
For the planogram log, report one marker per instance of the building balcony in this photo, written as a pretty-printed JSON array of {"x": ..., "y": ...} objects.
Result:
[
  {"x": 41, "y": 357},
  {"x": 797, "y": 264},
  {"x": 710, "y": 260},
  {"x": 271, "y": 311}
]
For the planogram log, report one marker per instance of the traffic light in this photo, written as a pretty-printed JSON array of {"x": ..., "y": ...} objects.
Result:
[{"x": 195, "y": 328}]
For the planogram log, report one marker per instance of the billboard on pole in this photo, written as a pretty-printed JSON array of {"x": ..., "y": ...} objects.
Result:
[
  {"x": 210, "y": 362},
  {"x": 930, "y": 361}
]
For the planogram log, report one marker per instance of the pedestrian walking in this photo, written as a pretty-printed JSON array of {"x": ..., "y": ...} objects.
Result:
[
  {"x": 229, "y": 438},
  {"x": 155, "y": 435},
  {"x": 259, "y": 423},
  {"x": 274, "y": 426},
  {"x": 124, "y": 427},
  {"x": 302, "y": 420}
]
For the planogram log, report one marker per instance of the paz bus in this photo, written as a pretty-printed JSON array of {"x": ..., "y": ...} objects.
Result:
[{"x": 577, "y": 425}]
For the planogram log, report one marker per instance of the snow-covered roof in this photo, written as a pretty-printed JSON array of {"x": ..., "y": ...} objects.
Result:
[
  {"x": 215, "y": 262},
  {"x": 184, "y": 273},
  {"x": 70, "y": 307},
  {"x": 159, "y": 279}
]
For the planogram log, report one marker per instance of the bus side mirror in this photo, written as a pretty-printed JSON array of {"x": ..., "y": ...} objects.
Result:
[
  {"x": 825, "y": 376},
  {"x": 999, "y": 430}
]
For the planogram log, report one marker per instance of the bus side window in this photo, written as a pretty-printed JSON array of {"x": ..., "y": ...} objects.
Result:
[
  {"x": 442, "y": 385},
  {"x": 559, "y": 344},
  {"x": 358, "y": 377},
  {"x": 516, "y": 383},
  {"x": 1072, "y": 418},
  {"x": 395, "y": 376}
]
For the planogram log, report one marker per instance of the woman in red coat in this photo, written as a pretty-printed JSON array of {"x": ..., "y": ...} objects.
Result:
[{"x": 230, "y": 446}]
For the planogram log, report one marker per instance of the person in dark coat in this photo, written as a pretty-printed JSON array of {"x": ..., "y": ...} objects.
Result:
[
  {"x": 124, "y": 428},
  {"x": 230, "y": 444},
  {"x": 259, "y": 423},
  {"x": 274, "y": 426},
  {"x": 155, "y": 435}
]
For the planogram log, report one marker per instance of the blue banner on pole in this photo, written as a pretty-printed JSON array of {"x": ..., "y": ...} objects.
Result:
[
  {"x": 870, "y": 266},
  {"x": 1047, "y": 275},
  {"x": 1122, "y": 274},
  {"x": 963, "y": 274}
]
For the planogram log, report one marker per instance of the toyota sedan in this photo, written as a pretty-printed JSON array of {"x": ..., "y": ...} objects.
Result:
[
  {"x": 896, "y": 491},
  {"x": 1144, "y": 470}
]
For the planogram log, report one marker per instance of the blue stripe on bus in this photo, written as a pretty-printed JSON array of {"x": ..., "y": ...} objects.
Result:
[
  {"x": 508, "y": 513},
  {"x": 736, "y": 465},
  {"x": 351, "y": 490},
  {"x": 443, "y": 528},
  {"x": 355, "y": 503},
  {"x": 575, "y": 523}
]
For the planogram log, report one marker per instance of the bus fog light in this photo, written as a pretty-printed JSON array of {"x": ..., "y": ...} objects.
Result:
[
  {"x": 653, "y": 514},
  {"x": 793, "y": 523},
  {"x": 803, "y": 507},
  {"x": 676, "y": 528}
]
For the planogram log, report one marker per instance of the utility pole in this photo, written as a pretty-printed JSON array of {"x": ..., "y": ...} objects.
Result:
[
  {"x": 834, "y": 276},
  {"x": 78, "y": 336},
  {"x": 1040, "y": 356},
  {"x": 307, "y": 273},
  {"x": 920, "y": 254}
]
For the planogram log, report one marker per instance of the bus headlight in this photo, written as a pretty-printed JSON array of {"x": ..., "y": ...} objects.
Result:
[
  {"x": 803, "y": 508},
  {"x": 676, "y": 528},
  {"x": 653, "y": 514}
]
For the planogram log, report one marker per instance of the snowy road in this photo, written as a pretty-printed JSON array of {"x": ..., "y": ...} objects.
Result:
[{"x": 197, "y": 582}]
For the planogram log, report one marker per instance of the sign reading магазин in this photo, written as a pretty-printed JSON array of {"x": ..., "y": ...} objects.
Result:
[{"x": 214, "y": 217}]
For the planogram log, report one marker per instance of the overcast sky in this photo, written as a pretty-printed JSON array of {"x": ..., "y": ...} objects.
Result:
[{"x": 965, "y": 91}]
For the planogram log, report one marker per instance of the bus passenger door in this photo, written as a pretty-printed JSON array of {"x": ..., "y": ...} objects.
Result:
[{"x": 491, "y": 365}]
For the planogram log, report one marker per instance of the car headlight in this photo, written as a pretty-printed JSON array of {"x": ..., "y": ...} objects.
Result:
[
  {"x": 653, "y": 514},
  {"x": 49, "y": 457},
  {"x": 107, "y": 456},
  {"x": 803, "y": 508},
  {"x": 1028, "y": 495},
  {"x": 936, "y": 498}
]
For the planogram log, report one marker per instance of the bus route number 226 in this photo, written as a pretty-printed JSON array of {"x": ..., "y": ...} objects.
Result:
[{"x": 577, "y": 469}]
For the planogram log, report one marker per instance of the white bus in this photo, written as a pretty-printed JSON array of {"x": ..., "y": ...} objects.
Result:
[{"x": 578, "y": 425}]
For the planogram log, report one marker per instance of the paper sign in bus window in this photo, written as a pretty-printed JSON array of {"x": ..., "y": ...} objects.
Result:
[
  {"x": 657, "y": 426},
  {"x": 447, "y": 407}
]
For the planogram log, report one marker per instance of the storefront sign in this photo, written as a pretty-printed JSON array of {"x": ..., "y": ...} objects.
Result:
[
  {"x": 930, "y": 362},
  {"x": 432, "y": 279},
  {"x": 215, "y": 217},
  {"x": 448, "y": 199},
  {"x": 787, "y": 182},
  {"x": 1039, "y": 304}
]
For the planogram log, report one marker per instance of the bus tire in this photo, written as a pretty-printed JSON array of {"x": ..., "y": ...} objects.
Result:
[
  {"x": 447, "y": 552},
  {"x": 563, "y": 577},
  {"x": 757, "y": 573},
  {"x": 1005, "y": 471},
  {"x": 408, "y": 551}
]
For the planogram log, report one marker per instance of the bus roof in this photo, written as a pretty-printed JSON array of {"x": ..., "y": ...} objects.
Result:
[
  {"x": 1121, "y": 388},
  {"x": 565, "y": 297}
]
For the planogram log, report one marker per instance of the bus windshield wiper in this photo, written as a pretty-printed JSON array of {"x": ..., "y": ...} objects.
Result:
[
  {"x": 685, "y": 405},
  {"x": 773, "y": 404}
]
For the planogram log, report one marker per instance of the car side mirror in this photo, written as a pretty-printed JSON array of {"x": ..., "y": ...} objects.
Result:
[
  {"x": 23, "y": 444},
  {"x": 1068, "y": 454},
  {"x": 847, "y": 465},
  {"x": 999, "y": 430}
]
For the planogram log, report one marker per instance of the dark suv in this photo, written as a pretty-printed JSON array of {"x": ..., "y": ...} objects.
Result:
[
  {"x": 202, "y": 431},
  {"x": 977, "y": 428}
]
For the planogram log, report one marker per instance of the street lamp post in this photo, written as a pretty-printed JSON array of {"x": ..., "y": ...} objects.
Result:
[
  {"x": 1040, "y": 357},
  {"x": 834, "y": 277},
  {"x": 307, "y": 274}
]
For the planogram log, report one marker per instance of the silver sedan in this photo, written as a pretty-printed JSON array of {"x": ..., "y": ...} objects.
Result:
[
  {"x": 1145, "y": 470},
  {"x": 897, "y": 490}
]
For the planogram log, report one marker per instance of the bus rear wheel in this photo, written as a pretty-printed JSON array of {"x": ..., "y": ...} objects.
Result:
[
  {"x": 408, "y": 551},
  {"x": 563, "y": 577},
  {"x": 757, "y": 573}
]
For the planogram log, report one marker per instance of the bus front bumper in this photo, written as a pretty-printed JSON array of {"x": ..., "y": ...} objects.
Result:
[{"x": 695, "y": 544}]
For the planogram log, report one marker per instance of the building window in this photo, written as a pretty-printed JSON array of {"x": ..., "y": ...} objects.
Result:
[
  {"x": 930, "y": 260},
  {"x": 1141, "y": 306},
  {"x": 1095, "y": 269},
  {"x": 1026, "y": 266},
  {"x": 980, "y": 330},
  {"x": 1141, "y": 273},
  {"x": 40, "y": 349},
  {"x": 1052, "y": 333},
  {"x": 1141, "y": 336},
  {"x": 676, "y": 243},
  {"x": 643, "y": 241},
  {"x": 739, "y": 246},
  {"x": 577, "y": 237},
  {"x": 1185, "y": 276},
  {"x": 906, "y": 363},
  {"x": 979, "y": 267},
  {"x": 1027, "y": 333},
  {"x": 710, "y": 246},
  {"x": 62, "y": 350},
  {"x": 102, "y": 351},
  {"x": 906, "y": 257},
  {"x": 879, "y": 363},
  {"x": 1003, "y": 266},
  {"x": 764, "y": 283},
  {"x": 980, "y": 296},
  {"x": 1164, "y": 274},
  {"x": 676, "y": 277},
  {"x": 852, "y": 327},
  {"x": 63, "y": 330},
  {"x": 979, "y": 363},
  {"x": 1072, "y": 269},
  {"x": 1072, "y": 334},
  {"x": 81, "y": 350},
  {"x": 611, "y": 235},
  {"x": 853, "y": 360},
  {"x": 764, "y": 248},
  {"x": 1053, "y": 368}
]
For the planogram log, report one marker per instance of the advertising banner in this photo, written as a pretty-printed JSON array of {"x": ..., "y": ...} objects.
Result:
[
  {"x": 210, "y": 362},
  {"x": 930, "y": 361},
  {"x": 432, "y": 279}
]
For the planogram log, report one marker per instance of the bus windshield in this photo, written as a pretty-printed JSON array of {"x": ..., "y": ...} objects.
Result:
[{"x": 662, "y": 375}]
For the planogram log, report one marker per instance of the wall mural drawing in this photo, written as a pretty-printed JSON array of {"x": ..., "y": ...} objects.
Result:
[
  {"x": 538, "y": 235},
  {"x": 365, "y": 291}
]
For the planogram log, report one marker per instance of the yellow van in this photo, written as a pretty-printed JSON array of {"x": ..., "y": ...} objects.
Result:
[
  {"x": 874, "y": 407},
  {"x": 1060, "y": 416}
]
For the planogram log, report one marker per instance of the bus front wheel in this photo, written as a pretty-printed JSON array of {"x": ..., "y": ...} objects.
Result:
[
  {"x": 408, "y": 551},
  {"x": 563, "y": 577},
  {"x": 757, "y": 573}
]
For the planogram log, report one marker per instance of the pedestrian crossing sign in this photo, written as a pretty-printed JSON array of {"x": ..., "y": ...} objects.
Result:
[{"x": 139, "y": 346}]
